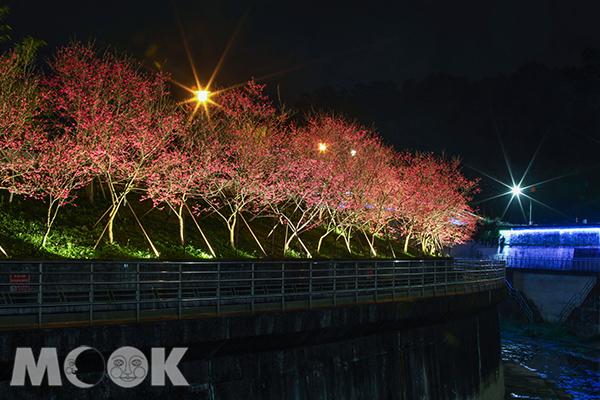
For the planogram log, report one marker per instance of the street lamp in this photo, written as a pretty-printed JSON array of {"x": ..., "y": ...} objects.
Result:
[
  {"x": 202, "y": 95},
  {"x": 322, "y": 146},
  {"x": 518, "y": 191}
]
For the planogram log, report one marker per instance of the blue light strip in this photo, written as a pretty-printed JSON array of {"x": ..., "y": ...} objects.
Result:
[{"x": 548, "y": 230}]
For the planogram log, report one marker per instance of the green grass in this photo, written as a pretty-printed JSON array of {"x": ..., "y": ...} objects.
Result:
[{"x": 78, "y": 228}]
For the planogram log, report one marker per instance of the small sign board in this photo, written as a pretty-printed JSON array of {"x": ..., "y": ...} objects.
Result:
[{"x": 19, "y": 282}]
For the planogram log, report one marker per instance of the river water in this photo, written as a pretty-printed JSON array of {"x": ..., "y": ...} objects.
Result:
[{"x": 573, "y": 367}]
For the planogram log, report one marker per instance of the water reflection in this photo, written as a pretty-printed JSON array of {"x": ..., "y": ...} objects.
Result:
[{"x": 573, "y": 367}]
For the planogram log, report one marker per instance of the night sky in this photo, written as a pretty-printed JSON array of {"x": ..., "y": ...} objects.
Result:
[
  {"x": 343, "y": 44},
  {"x": 302, "y": 46}
]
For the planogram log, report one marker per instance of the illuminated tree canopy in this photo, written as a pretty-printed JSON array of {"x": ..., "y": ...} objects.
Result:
[{"x": 100, "y": 120}]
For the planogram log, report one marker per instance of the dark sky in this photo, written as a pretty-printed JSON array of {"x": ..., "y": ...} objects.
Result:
[
  {"x": 343, "y": 43},
  {"x": 301, "y": 46}
]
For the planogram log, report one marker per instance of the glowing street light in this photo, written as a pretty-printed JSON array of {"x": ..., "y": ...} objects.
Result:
[
  {"x": 202, "y": 95},
  {"x": 352, "y": 153},
  {"x": 322, "y": 146},
  {"x": 516, "y": 190}
]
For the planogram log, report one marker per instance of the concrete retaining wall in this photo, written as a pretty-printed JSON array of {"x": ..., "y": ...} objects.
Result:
[
  {"x": 551, "y": 291},
  {"x": 434, "y": 348}
]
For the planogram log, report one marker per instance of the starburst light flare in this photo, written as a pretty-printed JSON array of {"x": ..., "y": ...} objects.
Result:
[
  {"x": 516, "y": 190},
  {"x": 202, "y": 95}
]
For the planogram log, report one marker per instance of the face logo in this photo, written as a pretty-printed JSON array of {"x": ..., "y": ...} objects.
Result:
[
  {"x": 70, "y": 366},
  {"x": 127, "y": 367}
]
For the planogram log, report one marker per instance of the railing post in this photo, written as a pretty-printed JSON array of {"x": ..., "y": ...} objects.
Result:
[
  {"x": 282, "y": 287},
  {"x": 422, "y": 278},
  {"x": 356, "y": 282},
  {"x": 446, "y": 277},
  {"x": 218, "y": 289},
  {"x": 435, "y": 273},
  {"x": 376, "y": 274},
  {"x": 40, "y": 295},
  {"x": 310, "y": 285},
  {"x": 252, "y": 291},
  {"x": 180, "y": 292},
  {"x": 482, "y": 268},
  {"x": 409, "y": 278},
  {"x": 464, "y": 277},
  {"x": 334, "y": 283},
  {"x": 394, "y": 280},
  {"x": 91, "y": 294},
  {"x": 137, "y": 292}
]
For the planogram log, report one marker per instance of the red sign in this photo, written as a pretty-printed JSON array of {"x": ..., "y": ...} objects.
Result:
[{"x": 18, "y": 280}]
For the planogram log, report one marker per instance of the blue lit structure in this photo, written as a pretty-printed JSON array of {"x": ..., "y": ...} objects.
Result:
[
  {"x": 567, "y": 247},
  {"x": 558, "y": 270}
]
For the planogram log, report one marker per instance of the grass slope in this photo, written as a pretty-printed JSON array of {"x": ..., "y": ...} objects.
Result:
[{"x": 77, "y": 229}]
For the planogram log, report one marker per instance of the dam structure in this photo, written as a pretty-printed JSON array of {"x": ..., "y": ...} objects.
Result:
[
  {"x": 305, "y": 329},
  {"x": 558, "y": 271}
]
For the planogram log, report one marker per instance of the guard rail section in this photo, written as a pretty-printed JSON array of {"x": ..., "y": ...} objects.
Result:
[{"x": 71, "y": 293}]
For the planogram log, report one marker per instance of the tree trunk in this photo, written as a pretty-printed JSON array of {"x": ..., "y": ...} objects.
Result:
[
  {"x": 347, "y": 238},
  {"x": 102, "y": 188},
  {"x": 200, "y": 230},
  {"x": 424, "y": 245},
  {"x": 3, "y": 252},
  {"x": 156, "y": 253},
  {"x": 285, "y": 240},
  {"x": 289, "y": 240},
  {"x": 371, "y": 248},
  {"x": 390, "y": 244},
  {"x": 111, "y": 219},
  {"x": 50, "y": 218},
  {"x": 406, "y": 241},
  {"x": 372, "y": 244},
  {"x": 273, "y": 236},
  {"x": 181, "y": 217},
  {"x": 232, "y": 230},
  {"x": 321, "y": 241},
  {"x": 253, "y": 235}
]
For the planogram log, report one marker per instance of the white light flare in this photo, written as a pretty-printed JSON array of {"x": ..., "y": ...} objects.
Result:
[
  {"x": 202, "y": 95},
  {"x": 516, "y": 190}
]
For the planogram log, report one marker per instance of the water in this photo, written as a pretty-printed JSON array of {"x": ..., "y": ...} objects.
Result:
[{"x": 573, "y": 367}]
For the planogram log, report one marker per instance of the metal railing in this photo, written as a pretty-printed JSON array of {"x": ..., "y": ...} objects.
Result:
[
  {"x": 63, "y": 293},
  {"x": 557, "y": 264},
  {"x": 516, "y": 296},
  {"x": 578, "y": 298}
]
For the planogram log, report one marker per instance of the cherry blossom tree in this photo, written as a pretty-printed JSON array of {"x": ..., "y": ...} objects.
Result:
[
  {"x": 184, "y": 171},
  {"x": 20, "y": 131},
  {"x": 373, "y": 192},
  {"x": 119, "y": 115},
  {"x": 57, "y": 175},
  {"x": 301, "y": 177},
  {"x": 433, "y": 203},
  {"x": 335, "y": 173},
  {"x": 245, "y": 125},
  {"x": 100, "y": 116},
  {"x": 25, "y": 150}
]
